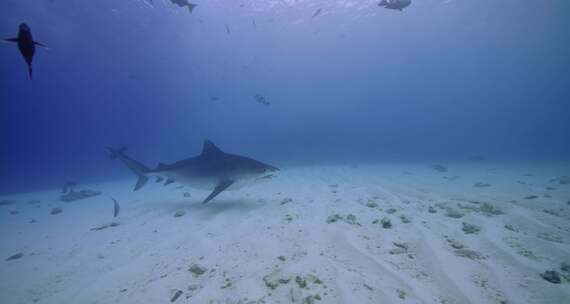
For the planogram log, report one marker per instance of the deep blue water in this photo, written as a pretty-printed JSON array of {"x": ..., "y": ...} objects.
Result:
[{"x": 441, "y": 81}]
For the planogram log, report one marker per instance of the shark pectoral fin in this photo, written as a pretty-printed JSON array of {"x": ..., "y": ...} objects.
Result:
[
  {"x": 223, "y": 185},
  {"x": 11, "y": 39},
  {"x": 141, "y": 182},
  {"x": 39, "y": 44}
]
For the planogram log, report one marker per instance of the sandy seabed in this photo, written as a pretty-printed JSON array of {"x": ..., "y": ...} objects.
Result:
[{"x": 401, "y": 233}]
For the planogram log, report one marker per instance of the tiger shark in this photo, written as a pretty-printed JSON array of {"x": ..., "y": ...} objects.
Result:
[{"x": 212, "y": 170}]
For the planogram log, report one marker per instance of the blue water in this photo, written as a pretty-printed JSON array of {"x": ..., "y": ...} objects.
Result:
[{"x": 439, "y": 82}]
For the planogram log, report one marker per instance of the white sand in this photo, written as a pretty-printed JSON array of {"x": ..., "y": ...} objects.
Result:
[{"x": 239, "y": 236}]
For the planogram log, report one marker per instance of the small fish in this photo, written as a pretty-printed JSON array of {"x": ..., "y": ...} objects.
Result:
[
  {"x": 26, "y": 44},
  {"x": 14, "y": 257},
  {"x": 261, "y": 99},
  {"x": 317, "y": 13}
]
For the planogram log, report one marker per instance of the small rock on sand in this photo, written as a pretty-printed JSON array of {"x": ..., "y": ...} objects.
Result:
[
  {"x": 56, "y": 211},
  {"x": 179, "y": 213},
  {"x": 197, "y": 270},
  {"x": 431, "y": 209},
  {"x": 511, "y": 228},
  {"x": 453, "y": 213},
  {"x": 286, "y": 201},
  {"x": 470, "y": 228},
  {"x": 551, "y": 276},
  {"x": 386, "y": 223},
  {"x": 14, "y": 212},
  {"x": 177, "y": 295},
  {"x": 470, "y": 254},
  {"x": 187, "y": 194},
  {"x": 16, "y": 256},
  {"x": 481, "y": 185},
  {"x": 530, "y": 197}
]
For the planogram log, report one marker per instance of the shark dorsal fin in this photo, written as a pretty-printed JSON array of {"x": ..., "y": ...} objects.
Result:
[{"x": 210, "y": 149}]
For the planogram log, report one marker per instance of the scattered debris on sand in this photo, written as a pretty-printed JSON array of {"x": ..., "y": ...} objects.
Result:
[
  {"x": 470, "y": 228},
  {"x": 73, "y": 195},
  {"x": 481, "y": 185},
  {"x": 405, "y": 219},
  {"x": 349, "y": 219},
  {"x": 401, "y": 248},
  {"x": 470, "y": 254},
  {"x": 197, "y": 270},
  {"x": 113, "y": 224},
  {"x": 386, "y": 223},
  {"x": 454, "y": 213},
  {"x": 286, "y": 201},
  {"x": 179, "y": 213},
  {"x": 371, "y": 204},
  {"x": 511, "y": 228},
  {"x": 177, "y": 295},
  {"x": 551, "y": 276},
  {"x": 439, "y": 168},
  {"x": 551, "y": 237},
  {"x": 56, "y": 210},
  {"x": 16, "y": 256}
]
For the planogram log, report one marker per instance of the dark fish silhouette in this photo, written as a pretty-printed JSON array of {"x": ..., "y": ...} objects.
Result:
[
  {"x": 395, "y": 4},
  {"x": 317, "y": 13},
  {"x": 183, "y": 3},
  {"x": 261, "y": 99},
  {"x": 26, "y": 44}
]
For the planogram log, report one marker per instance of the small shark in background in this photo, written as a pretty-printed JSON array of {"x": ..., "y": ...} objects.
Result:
[
  {"x": 212, "y": 170},
  {"x": 395, "y": 4},
  {"x": 317, "y": 13},
  {"x": 183, "y": 3},
  {"x": 26, "y": 44}
]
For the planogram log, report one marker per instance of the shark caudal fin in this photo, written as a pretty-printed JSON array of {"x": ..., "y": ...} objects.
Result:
[{"x": 138, "y": 168}]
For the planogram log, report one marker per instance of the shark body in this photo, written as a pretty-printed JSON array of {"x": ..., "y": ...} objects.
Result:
[
  {"x": 212, "y": 170},
  {"x": 26, "y": 44}
]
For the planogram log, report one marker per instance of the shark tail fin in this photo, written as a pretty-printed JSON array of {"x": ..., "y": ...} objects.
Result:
[
  {"x": 191, "y": 7},
  {"x": 116, "y": 152},
  {"x": 30, "y": 70},
  {"x": 138, "y": 168}
]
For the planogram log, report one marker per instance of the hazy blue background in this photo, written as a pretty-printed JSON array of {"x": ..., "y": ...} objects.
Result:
[{"x": 439, "y": 82}]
